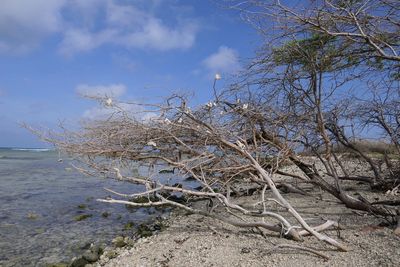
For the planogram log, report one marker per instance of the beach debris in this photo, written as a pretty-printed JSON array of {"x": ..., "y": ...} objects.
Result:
[{"x": 151, "y": 143}]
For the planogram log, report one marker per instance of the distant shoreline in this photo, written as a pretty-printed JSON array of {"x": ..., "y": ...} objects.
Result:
[{"x": 33, "y": 149}]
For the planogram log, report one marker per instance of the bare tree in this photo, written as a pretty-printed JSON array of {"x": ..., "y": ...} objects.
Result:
[
  {"x": 286, "y": 102},
  {"x": 365, "y": 30},
  {"x": 218, "y": 145},
  {"x": 315, "y": 52}
]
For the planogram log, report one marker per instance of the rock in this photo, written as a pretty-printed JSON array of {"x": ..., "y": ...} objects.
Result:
[
  {"x": 129, "y": 241},
  {"x": 129, "y": 225},
  {"x": 97, "y": 249},
  {"x": 110, "y": 254},
  {"x": 82, "y": 217},
  {"x": 119, "y": 242},
  {"x": 144, "y": 231},
  {"x": 79, "y": 262},
  {"x": 105, "y": 214},
  {"x": 90, "y": 256},
  {"x": 166, "y": 171},
  {"x": 190, "y": 179},
  {"x": 151, "y": 211},
  {"x": 157, "y": 227},
  {"x": 397, "y": 231},
  {"x": 86, "y": 245},
  {"x": 58, "y": 264},
  {"x": 82, "y": 206},
  {"x": 32, "y": 216},
  {"x": 245, "y": 250},
  {"x": 140, "y": 199}
]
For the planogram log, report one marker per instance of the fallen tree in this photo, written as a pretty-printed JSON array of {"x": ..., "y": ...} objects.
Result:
[
  {"x": 209, "y": 144},
  {"x": 288, "y": 102}
]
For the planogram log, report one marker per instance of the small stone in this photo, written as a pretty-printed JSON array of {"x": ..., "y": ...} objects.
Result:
[
  {"x": 129, "y": 242},
  {"x": 58, "y": 264},
  {"x": 79, "y": 262},
  {"x": 90, "y": 256},
  {"x": 82, "y": 206},
  {"x": 110, "y": 254},
  {"x": 119, "y": 242},
  {"x": 82, "y": 217},
  {"x": 97, "y": 249},
  {"x": 245, "y": 250},
  {"x": 32, "y": 216},
  {"x": 397, "y": 231},
  {"x": 144, "y": 231},
  {"x": 129, "y": 225},
  {"x": 86, "y": 245}
]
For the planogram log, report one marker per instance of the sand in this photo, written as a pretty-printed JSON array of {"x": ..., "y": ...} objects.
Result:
[{"x": 193, "y": 240}]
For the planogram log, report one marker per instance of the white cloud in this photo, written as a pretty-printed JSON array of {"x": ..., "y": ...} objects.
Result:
[
  {"x": 24, "y": 23},
  {"x": 97, "y": 113},
  {"x": 101, "y": 112},
  {"x": 112, "y": 90},
  {"x": 129, "y": 27},
  {"x": 131, "y": 110},
  {"x": 225, "y": 60},
  {"x": 87, "y": 24},
  {"x": 81, "y": 40}
]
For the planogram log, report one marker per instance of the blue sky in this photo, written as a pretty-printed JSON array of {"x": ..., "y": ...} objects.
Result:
[{"x": 141, "y": 50}]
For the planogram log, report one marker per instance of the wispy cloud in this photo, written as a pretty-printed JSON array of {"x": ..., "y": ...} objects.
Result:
[
  {"x": 127, "y": 26},
  {"x": 24, "y": 24},
  {"x": 225, "y": 60},
  {"x": 112, "y": 90},
  {"x": 135, "y": 111},
  {"x": 89, "y": 24}
]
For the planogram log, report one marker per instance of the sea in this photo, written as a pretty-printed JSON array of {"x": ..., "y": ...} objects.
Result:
[{"x": 41, "y": 195}]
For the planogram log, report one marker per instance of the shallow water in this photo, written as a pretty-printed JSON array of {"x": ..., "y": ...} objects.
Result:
[{"x": 39, "y": 198}]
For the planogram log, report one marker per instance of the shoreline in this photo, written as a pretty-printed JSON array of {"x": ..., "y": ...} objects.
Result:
[
  {"x": 183, "y": 239},
  {"x": 193, "y": 240},
  {"x": 97, "y": 254}
]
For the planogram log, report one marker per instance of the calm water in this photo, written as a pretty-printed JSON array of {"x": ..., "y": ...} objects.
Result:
[{"x": 39, "y": 198}]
